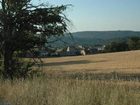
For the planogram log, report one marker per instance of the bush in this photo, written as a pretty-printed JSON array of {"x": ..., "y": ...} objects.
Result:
[{"x": 21, "y": 69}]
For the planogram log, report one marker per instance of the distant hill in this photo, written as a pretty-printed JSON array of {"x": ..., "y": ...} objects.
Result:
[
  {"x": 87, "y": 38},
  {"x": 99, "y": 37},
  {"x": 105, "y": 34}
]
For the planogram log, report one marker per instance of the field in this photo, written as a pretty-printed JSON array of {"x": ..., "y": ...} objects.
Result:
[
  {"x": 80, "y": 91},
  {"x": 123, "y": 63}
]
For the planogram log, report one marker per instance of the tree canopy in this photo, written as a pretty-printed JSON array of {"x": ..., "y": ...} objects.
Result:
[{"x": 24, "y": 26}]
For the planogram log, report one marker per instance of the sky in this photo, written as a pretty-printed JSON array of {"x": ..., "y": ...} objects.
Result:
[{"x": 101, "y": 15}]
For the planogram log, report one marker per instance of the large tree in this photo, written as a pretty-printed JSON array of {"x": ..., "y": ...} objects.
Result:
[{"x": 24, "y": 26}]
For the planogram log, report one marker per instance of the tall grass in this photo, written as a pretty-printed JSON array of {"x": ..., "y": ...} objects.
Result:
[{"x": 43, "y": 91}]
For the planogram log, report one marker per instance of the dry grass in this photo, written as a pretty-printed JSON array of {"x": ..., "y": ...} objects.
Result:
[
  {"x": 42, "y": 91},
  {"x": 62, "y": 91},
  {"x": 124, "y": 62}
]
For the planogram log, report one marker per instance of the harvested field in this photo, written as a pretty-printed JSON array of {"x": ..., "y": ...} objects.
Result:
[{"x": 122, "y": 62}]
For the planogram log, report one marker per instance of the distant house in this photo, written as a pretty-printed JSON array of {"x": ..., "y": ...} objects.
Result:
[
  {"x": 73, "y": 51},
  {"x": 100, "y": 47},
  {"x": 91, "y": 50},
  {"x": 43, "y": 53},
  {"x": 82, "y": 50},
  {"x": 56, "y": 52},
  {"x": 69, "y": 51}
]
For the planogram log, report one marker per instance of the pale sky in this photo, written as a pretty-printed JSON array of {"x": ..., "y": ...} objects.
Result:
[{"x": 99, "y": 15}]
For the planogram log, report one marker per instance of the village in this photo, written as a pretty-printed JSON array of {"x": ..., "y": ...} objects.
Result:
[{"x": 74, "y": 50}]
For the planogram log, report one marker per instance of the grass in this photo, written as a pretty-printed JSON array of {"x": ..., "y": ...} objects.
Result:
[
  {"x": 82, "y": 80},
  {"x": 43, "y": 91}
]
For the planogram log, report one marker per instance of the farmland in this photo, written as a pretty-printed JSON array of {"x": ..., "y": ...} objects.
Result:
[
  {"x": 70, "y": 91},
  {"x": 122, "y": 62}
]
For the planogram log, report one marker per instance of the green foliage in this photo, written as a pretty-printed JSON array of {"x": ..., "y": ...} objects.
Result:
[
  {"x": 116, "y": 46},
  {"x": 24, "y": 27},
  {"x": 133, "y": 43},
  {"x": 21, "y": 69}
]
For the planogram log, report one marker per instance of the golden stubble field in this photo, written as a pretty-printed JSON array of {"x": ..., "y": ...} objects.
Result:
[
  {"x": 121, "y": 62},
  {"x": 42, "y": 90}
]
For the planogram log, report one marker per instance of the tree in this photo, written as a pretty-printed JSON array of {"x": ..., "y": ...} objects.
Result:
[
  {"x": 134, "y": 43},
  {"x": 116, "y": 47},
  {"x": 24, "y": 26}
]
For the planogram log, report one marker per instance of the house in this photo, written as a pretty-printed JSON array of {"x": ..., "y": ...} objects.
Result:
[
  {"x": 81, "y": 50},
  {"x": 43, "y": 53},
  {"x": 69, "y": 51},
  {"x": 100, "y": 47},
  {"x": 56, "y": 52},
  {"x": 73, "y": 51},
  {"x": 91, "y": 50}
]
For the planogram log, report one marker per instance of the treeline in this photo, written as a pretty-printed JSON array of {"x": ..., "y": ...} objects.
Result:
[{"x": 132, "y": 43}]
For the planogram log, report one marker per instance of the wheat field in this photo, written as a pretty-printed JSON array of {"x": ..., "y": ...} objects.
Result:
[
  {"x": 69, "y": 91},
  {"x": 123, "y": 62}
]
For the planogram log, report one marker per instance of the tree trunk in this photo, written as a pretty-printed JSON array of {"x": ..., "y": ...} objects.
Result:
[{"x": 8, "y": 71}]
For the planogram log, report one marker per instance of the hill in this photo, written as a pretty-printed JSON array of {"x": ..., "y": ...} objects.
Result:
[
  {"x": 90, "y": 38},
  {"x": 102, "y": 37},
  {"x": 105, "y": 34}
]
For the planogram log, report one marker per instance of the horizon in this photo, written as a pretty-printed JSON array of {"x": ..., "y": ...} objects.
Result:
[
  {"x": 107, "y": 31},
  {"x": 101, "y": 15}
]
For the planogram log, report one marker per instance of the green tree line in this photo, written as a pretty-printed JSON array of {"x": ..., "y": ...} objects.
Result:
[{"x": 132, "y": 43}]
